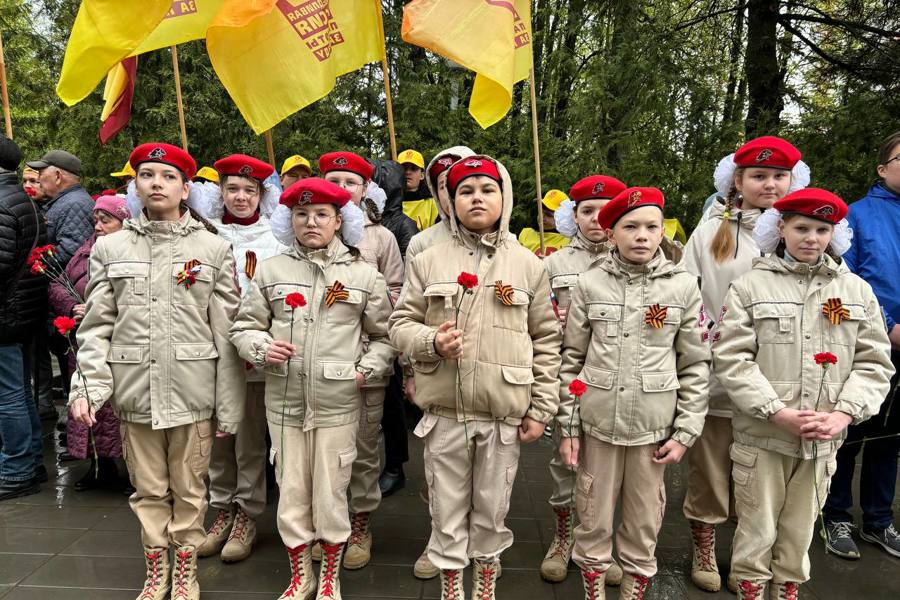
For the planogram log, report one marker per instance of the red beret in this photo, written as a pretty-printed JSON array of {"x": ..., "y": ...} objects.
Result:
[
  {"x": 315, "y": 190},
  {"x": 626, "y": 201},
  {"x": 469, "y": 167},
  {"x": 166, "y": 154},
  {"x": 244, "y": 166},
  {"x": 345, "y": 161},
  {"x": 814, "y": 203},
  {"x": 443, "y": 162},
  {"x": 596, "y": 186},
  {"x": 767, "y": 151}
]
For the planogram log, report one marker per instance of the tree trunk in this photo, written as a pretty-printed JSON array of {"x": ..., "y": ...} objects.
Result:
[
  {"x": 735, "y": 68},
  {"x": 764, "y": 76},
  {"x": 565, "y": 71}
]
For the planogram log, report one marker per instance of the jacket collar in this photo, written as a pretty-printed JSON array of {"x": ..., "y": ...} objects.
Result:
[
  {"x": 879, "y": 190},
  {"x": 334, "y": 252},
  {"x": 593, "y": 248},
  {"x": 659, "y": 266},
  {"x": 828, "y": 267},
  {"x": 144, "y": 226}
]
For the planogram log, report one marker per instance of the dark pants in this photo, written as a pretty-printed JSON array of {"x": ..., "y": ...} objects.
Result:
[
  {"x": 21, "y": 451},
  {"x": 878, "y": 475},
  {"x": 393, "y": 423}
]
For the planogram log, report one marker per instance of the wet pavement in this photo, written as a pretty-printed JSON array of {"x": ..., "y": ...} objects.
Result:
[{"x": 62, "y": 544}]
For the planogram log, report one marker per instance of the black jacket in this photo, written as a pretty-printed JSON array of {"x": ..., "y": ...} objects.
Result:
[
  {"x": 389, "y": 176},
  {"x": 23, "y": 296}
]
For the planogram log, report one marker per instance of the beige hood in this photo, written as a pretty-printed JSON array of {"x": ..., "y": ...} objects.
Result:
[
  {"x": 503, "y": 232},
  {"x": 462, "y": 152}
]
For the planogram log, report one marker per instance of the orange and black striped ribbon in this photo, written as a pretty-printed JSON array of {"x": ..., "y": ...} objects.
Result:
[
  {"x": 504, "y": 293},
  {"x": 250, "y": 264},
  {"x": 655, "y": 316},
  {"x": 835, "y": 311},
  {"x": 191, "y": 264},
  {"x": 335, "y": 292},
  {"x": 184, "y": 276}
]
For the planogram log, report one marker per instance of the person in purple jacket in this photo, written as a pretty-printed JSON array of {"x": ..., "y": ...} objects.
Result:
[
  {"x": 874, "y": 256},
  {"x": 109, "y": 213}
]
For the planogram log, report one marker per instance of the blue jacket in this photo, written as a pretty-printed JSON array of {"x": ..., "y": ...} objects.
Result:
[
  {"x": 69, "y": 221},
  {"x": 875, "y": 253}
]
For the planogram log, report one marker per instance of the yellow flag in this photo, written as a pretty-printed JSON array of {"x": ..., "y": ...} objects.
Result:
[
  {"x": 490, "y": 37},
  {"x": 184, "y": 22},
  {"x": 277, "y": 56},
  {"x": 105, "y": 32}
]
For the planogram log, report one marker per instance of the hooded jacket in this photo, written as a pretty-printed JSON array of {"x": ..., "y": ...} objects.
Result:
[
  {"x": 156, "y": 348},
  {"x": 389, "y": 177},
  {"x": 715, "y": 277},
  {"x": 773, "y": 325},
  {"x": 564, "y": 266},
  {"x": 510, "y": 357}
]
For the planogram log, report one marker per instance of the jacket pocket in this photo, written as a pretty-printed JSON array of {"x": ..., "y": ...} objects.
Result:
[
  {"x": 201, "y": 351},
  {"x": 347, "y": 311},
  {"x": 598, "y": 378},
  {"x": 280, "y": 310},
  {"x": 562, "y": 286},
  {"x": 516, "y": 396},
  {"x": 129, "y": 281},
  {"x": 847, "y": 331},
  {"x": 339, "y": 385},
  {"x": 199, "y": 292},
  {"x": 663, "y": 336},
  {"x": 605, "y": 321},
  {"x": 515, "y": 315},
  {"x": 743, "y": 472},
  {"x": 440, "y": 300},
  {"x": 584, "y": 487},
  {"x": 193, "y": 375},
  {"x": 119, "y": 353},
  {"x": 664, "y": 381},
  {"x": 775, "y": 323}
]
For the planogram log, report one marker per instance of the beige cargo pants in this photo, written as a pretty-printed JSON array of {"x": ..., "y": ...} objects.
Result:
[
  {"x": 708, "y": 497},
  {"x": 365, "y": 495}
]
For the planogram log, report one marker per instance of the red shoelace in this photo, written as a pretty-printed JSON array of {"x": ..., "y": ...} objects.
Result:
[
  {"x": 487, "y": 583},
  {"x": 704, "y": 540},
  {"x": 749, "y": 590},
  {"x": 562, "y": 530},
  {"x": 358, "y": 528},
  {"x": 240, "y": 525},
  {"x": 152, "y": 584},
  {"x": 181, "y": 581},
  {"x": 640, "y": 589},
  {"x": 790, "y": 591},
  {"x": 591, "y": 578},
  {"x": 330, "y": 555},
  {"x": 450, "y": 581},
  {"x": 294, "y": 555},
  {"x": 222, "y": 518}
]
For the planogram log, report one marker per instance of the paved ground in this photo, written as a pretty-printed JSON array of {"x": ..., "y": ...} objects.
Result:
[{"x": 63, "y": 545}]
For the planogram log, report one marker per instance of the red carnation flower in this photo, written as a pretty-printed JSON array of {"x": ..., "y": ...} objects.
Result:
[
  {"x": 37, "y": 268},
  {"x": 64, "y": 324},
  {"x": 825, "y": 359},
  {"x": 467, "y": 280},
  {"x": 577, "y": 388},
  {"x": 295, "y": 300}
]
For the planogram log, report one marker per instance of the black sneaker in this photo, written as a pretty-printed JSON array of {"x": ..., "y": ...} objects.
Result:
[
  {"x": 390, "y": 481},
  {"x": 17, "y": 489},
  {"x": 838, "y": 540},
  {"x": 888, "y": 539}
]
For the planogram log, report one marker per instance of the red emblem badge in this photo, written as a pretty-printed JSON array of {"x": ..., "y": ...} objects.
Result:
[
  {"x": 474, "y": 163},
  {"x": 340, "y": 161},
  {"x": 246, "y": 170},
  {"x": 634, "y": 198},
  {"x": 763, "y": 155},
  {"x": 306, "y": 197},
  {"x": 157, "y": 153},
  {"x": 824, "y": 211},
  {"x": 598, "y": 187}
]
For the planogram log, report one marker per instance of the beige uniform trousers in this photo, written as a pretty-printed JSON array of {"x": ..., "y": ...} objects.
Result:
[
  {"x": 607, "y": 474},
  {"x": 468, "y": 488},
  {"x": 365, "y": 495},
  {"x": 237, "y": 471},
  {"x": 562, "y": 476},
  {"x": 313, "y": 501},
  {"x": 777, "y": 506},
  {"x": 708, "y": 497},
  {"x": 168, "y": 469}
]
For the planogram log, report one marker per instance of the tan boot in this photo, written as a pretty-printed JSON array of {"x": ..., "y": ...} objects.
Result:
[
  {"x": 424, "y": 568},
  {"x": 330, "y": 571},
  {"x": 784, "y": 591},
  {"x": 184, "y": 574},
  {"x": 484, "y": 579},
  {"x": 634, "y": 587},
  {"x": 593, "y": 582},
  {"x": 732, "y": 583},
  {"x": 555, "y": 565},
  {"x": 303, "y": 583},
  {"x": 241, "y": 539},
  {"x": 452, "y": 585},
  {"x": 750, "y": 590},
  {"x": 704, "y": 571},
  {"x": 217, "y": 534},
  {"x": 614, "y": 575},
  {"x": 359, "y": 546},
  {"x": 157, "y": 585}
]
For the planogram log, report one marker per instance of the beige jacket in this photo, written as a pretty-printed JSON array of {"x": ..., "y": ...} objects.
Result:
[
  {"x": 320, "y": 389},
  {"x": 773, "y": 325},
  {"x": 379, "y": 248},
  {"x": 644, "y": 384},
  {"x": 510, "y": 355},
  {"x": 715, "y": 278},
  {"x": 566, "y": 264},
  {"x": 157, "y": 349}
]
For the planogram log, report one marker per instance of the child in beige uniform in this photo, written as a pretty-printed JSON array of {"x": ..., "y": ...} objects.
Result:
[
  {"x": 803, "y": 352},
  {"x": 633, "y": 343}
]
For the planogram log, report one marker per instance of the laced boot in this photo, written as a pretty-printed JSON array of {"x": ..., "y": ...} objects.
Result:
[
  {"x": 217, "y": 534},
  {"x": 593, "y": 582},
  {"x": 184, "y": 574},
  {"x": 634, "y": 587},
  {"x": 784, "y": 591},
  {"x": 359, "y": 546},
  {"x": 704, "y": 571},
  {"x": 749, "y": 590},
  {"x": 303, "y": 584},
  {"x": 614, "y": 575},
  {"x": 241, "y": 539},
  {"x": 157, "y": 585},
  {"x": 484, "y": 579},
  {"x": 329, "y": 572},
  {"x": 452, "y": 585},
  {"x": 424, "y": 568},
  {"x": 555, "y": 565}
]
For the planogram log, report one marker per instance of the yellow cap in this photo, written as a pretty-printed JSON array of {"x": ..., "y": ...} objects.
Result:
[
  {"x": 295, "y": 161},
  {"x": 127, "y": 171},
  {"x": 554, "y": 198},
  {"x": 208, "y": 173},
  {"x": 412, "y": 157}
]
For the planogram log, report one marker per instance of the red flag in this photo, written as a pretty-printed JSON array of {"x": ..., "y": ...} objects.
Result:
[{"x": 118, "y": 95}]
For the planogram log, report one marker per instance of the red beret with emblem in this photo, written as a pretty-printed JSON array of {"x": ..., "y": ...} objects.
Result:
[
  {"x": 814, "y": 203},
  {"x": 626, "y": 201},
  {"x": 166, "y": 154},
  {"x": 345, "y": 161},
  {"x": 596, "y": 187},
  {"x": 767, "y": 151},
  {"x": 441, "y": 164},
  {"x": 470, "y": 167},
  {"x": 314, "y": 190},
  {"x": 243, "y": 165}
]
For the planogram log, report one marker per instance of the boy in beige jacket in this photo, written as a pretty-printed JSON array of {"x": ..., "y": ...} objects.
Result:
[
  {"x": 633, "y": 346},
  {"x": 803, "y": 352},
  {"x": 485, "y": 380}
]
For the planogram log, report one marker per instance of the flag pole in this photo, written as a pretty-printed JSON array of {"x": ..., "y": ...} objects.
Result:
[
  {"x": 6, "y": 116},
  {"x": 270, "y": 147},
  {"x": 184, "y": 139},
  {"x": 537, "y": 158},
  {"x": 389, "y": 104}
]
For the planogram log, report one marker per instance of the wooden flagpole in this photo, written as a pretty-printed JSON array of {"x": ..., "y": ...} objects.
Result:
[
  {"x": 184, "y": 139},
  {"x": 6, "y": 116},
  {"x": 537, "y": 158},
  {"x": 385, "y": 69},
  {"x": 270, "y": 148}
]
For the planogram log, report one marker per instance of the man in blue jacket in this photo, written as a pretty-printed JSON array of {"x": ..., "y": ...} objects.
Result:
[{"x": 874, "y": 256}]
